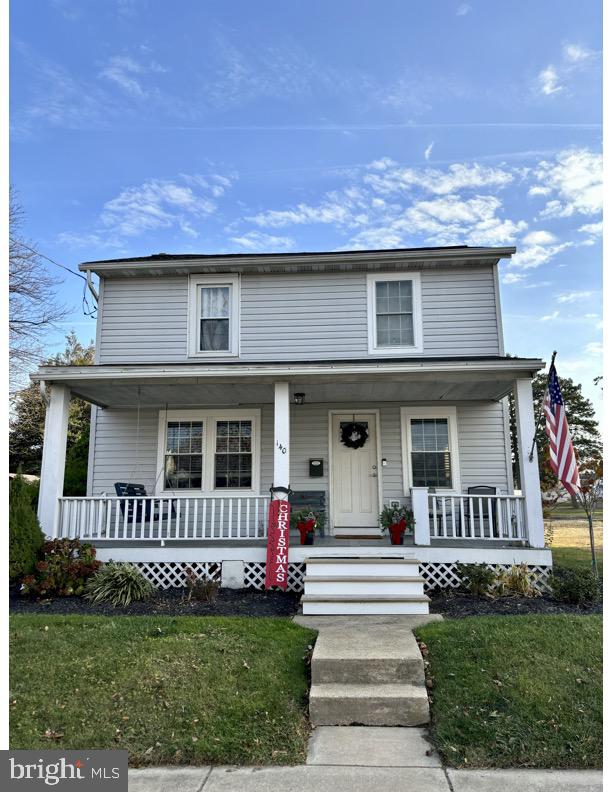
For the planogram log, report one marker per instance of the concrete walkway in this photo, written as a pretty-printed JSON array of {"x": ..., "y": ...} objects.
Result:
[{"x": 324, "y": 778}]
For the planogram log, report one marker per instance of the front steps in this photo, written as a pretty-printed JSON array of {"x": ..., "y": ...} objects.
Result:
[
  {"x": 365, "y": 585},
  {"x": 368, "y": 674}
]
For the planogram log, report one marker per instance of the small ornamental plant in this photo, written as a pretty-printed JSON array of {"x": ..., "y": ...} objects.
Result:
[
  {"x": 63, "y": 570},
  {"x": 397, "y": 520},
  {"x": 307, "y": 521},
  {"x": 119, "y": 584}
]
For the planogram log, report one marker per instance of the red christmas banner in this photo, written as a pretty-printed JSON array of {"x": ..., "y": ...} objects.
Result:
[{"x": 277, "y": 562}]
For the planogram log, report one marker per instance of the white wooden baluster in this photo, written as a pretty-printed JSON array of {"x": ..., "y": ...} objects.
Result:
[
  {"x": 453, "y": 524},
  {"x": 221, "y": 520},
  {"x": 229, "y": 517},
  {"x": 437, "y": 531},
  {"x": 462, "y": 516},
  {"x": 248, "y": 518}
]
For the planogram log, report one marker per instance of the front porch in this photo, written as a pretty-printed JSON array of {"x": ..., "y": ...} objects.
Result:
[{"x": 436, "y": 441}]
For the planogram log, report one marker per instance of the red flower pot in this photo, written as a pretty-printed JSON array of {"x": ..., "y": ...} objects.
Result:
[
  {"x": 397, "y": 531},
  {"x": 306, "y": 530}
]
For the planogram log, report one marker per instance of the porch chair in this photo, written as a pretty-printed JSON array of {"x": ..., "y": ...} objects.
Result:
[
  {"x": 489, "y": 520},
  {"x": 127, "y": 490}
]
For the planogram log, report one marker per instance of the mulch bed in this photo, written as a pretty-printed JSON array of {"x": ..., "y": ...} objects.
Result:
[
  {"x": 455, "y": 605},
  {"x": 170, "y": 602}
]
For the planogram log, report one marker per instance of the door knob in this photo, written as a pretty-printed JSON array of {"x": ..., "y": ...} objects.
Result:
[{"x": 374, "y": 475}]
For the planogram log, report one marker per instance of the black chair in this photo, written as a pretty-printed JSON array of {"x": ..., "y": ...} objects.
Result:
[
  {"x": 484, "y": 492},
  {"x": 127, "y": 490}
]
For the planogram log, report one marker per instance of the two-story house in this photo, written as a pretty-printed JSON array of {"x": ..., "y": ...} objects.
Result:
[{"x": 217, "y": 377}]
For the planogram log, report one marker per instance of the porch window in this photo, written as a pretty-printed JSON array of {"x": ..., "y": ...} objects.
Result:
[
  {"x": 209, "y": 451},
  {"x": 233, "y": 455},
  {"x": 431, "y": 458},
  {"x": 430, "y": 448},
  {"x": 394, "y": 310},
  {"x": 214, "y": 322},
  {"x": 183, "y": 458}
]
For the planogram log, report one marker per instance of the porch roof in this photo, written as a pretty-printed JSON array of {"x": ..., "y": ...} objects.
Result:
[{"x": 233, "y": 384}]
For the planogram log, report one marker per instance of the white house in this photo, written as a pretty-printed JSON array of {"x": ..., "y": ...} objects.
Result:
[{"x": 217, "y": 377}]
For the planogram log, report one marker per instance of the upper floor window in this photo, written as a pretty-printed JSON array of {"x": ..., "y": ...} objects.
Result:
[
  {"x": 214, "y": 321},
  {"x": 394, "y": 313}
]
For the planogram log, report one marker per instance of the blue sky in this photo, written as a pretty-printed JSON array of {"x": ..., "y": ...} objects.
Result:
[{"x": 141, "y": 126}]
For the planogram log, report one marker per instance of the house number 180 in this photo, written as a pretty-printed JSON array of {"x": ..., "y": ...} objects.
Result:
[{"x": 282, "y": 448}]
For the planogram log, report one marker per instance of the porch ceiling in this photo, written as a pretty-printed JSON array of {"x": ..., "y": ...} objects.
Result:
[{"x": 199, "y": 386}]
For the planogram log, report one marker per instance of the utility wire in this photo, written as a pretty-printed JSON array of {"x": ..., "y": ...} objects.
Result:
[{"x": 88, "y": 310}]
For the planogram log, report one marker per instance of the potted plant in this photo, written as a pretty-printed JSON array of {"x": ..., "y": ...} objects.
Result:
[
  {"x": 397, "y": 520},
  {"x": 307, "y": 521}
]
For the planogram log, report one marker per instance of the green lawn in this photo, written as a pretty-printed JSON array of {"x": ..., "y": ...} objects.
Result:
[
  {"x": 517, "y": 691},
  {"x": 170, "y": 690}
]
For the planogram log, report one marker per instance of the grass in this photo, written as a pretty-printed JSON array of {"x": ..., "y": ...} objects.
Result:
[
  {"x": 570, "y": 545},
  {"x": 182, "y": 690},
  {"x": 517, "y": 691}
]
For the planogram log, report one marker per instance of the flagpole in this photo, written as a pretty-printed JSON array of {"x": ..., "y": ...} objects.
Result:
[{"x": 541, "y": 411}]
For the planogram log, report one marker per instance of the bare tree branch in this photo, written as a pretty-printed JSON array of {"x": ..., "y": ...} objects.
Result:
[{"x": 33, "y": 304}]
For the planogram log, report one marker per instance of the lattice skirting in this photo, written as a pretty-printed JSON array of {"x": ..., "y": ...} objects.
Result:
[
  {"x": 445, "y": 575},
  {"x": 171, "y": 574},
  {"x": 255, "y": 575}
]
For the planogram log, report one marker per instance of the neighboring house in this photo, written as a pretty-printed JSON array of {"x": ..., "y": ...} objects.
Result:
[{"x": 216, "y": 377}]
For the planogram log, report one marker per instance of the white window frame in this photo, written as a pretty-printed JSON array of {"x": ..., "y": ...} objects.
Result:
[
  {"x": 450, "y": 413},
  {"x": 376, "y": 277},
  {"x": 195, "y": 284},
  {"x": 209, "y": 419}
]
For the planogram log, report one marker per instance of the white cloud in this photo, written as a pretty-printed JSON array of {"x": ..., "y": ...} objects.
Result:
[
  {"x": 513, "y": 277},
  {"x": 123, "y": 70},
  {"x": 550, "y": 317},
  {"x": 532, "y": 256},
  {"x": 258, "y": 242},
  {"x": 576, "y": 53},
  {"x": 592, "y": 230},
  {"x": 464, "y": 9},
  {"x": 575, "y": 176},
  {"x": 594, "y": 348},
  {"x": 548, "y": 81},
  {"x": 539, "y": 238},
  {"x": 538, "y": 189},
  {"x": 428, "y": 150},
  {"x": 386, "y": 177},
  {"x": 574, "y": 296}
]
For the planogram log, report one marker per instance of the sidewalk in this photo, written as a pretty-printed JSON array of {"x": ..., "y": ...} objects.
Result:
[{"x": 318, "y": 778}]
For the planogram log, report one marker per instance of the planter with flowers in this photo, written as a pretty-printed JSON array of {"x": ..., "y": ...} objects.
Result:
[
  {"x": 398, "y": 521},
  {"x": 307, "y": 521}
]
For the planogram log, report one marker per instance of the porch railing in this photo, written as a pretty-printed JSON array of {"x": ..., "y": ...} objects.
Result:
[
  {"x": 216, "y": 517},
  {"x": 480, "y": 517}
]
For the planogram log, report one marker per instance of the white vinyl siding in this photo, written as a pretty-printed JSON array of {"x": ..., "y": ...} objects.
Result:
[
  {"x": 309, "y": 316},
  {"x": 122, "y": 452}
]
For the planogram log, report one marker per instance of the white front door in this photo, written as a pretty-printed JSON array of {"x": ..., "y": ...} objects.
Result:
[{"x": 354, "y": 496}]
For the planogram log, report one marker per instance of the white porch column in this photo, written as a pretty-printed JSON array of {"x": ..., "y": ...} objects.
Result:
[
  {"x": 281, "y": 434},
  {"x": 420, "y": 509},
  {"x": 53, "y": 459},
  {"x": 530, "y": 474}
]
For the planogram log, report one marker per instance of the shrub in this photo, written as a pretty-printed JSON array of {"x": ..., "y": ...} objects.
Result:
[
  {"x": 515, "y": 582},
  {"x": 119, "y": 584},
  {"x": 576, "y": 586},
  {"x": 392, "y": 515},
  {"x": 25, "y": 537},
  {"x": 200, "y": 589},
  {"x": 476, "y": 578},
  {"x": 306, "y": 515},
  {"x": 65, "y": 566}
]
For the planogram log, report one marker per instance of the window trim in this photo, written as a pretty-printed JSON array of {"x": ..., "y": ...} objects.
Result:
[
  {"x": 450, "y": 413},
  {"x": 209, "y": 418},
  {"x": 372, "y": 279},
  {"x": 193, "y": 319}
]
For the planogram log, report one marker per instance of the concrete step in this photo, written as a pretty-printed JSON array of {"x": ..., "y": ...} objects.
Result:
[
  {"x": 367, "y": 584},
  {"x": 364, "y": 604},
  {"x": 368, "y": 705},
  {"x": 362, "y": 654},
  {"x": 371, "y": 746}
]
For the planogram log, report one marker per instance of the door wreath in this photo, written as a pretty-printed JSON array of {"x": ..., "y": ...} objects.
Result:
[{"x": 354, "y": 435}]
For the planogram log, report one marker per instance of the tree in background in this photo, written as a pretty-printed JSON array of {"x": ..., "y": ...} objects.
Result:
[
  {"x": 27, "y": 425},
  {"x": 582, "y": 423},
  {"x": 33, "y": 304}
]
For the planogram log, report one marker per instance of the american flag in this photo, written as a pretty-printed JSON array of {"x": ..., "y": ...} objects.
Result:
[{"x": 562, "y": 456}]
